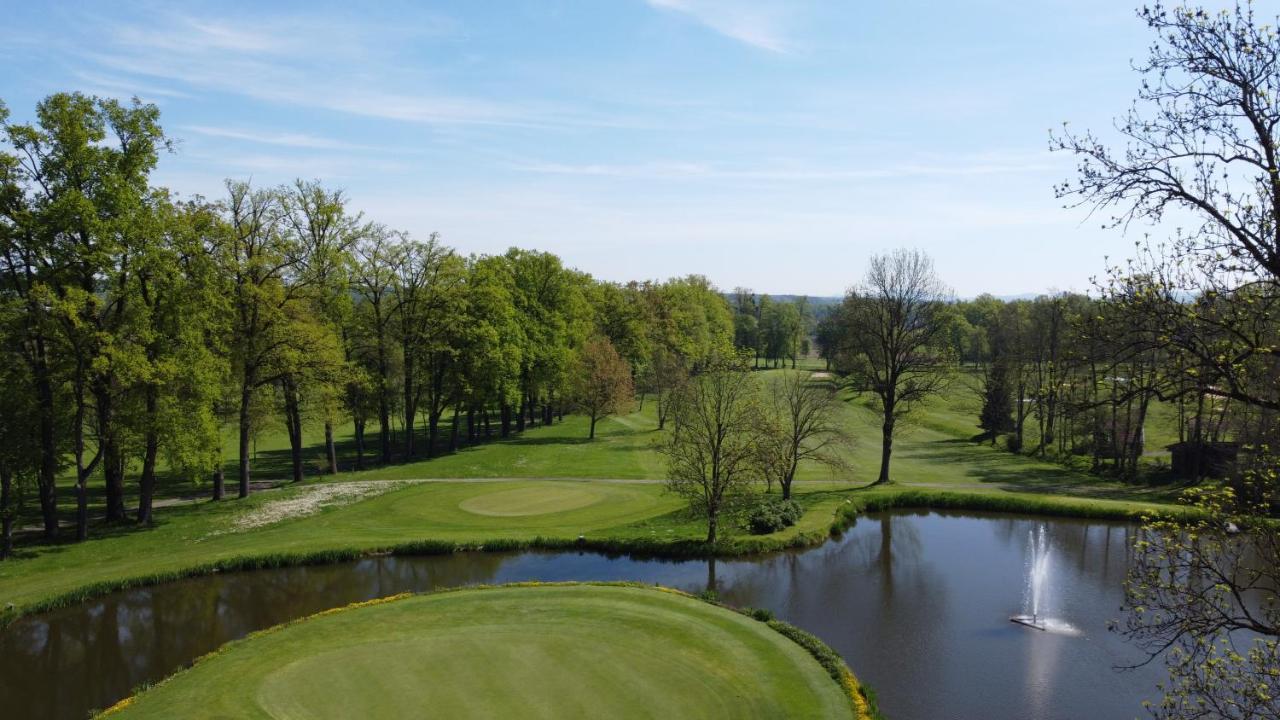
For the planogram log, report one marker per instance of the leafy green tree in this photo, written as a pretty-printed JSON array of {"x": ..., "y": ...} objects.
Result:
[
  {"x": 30, "y": 332},
  {"x": 373, "y": 278},
  {"x": 76, "y": 188},
  {"x": 423, "y": 283},
  {"x": 996, "y": 416},
  {"x": 19, "y": 447},
  {"x": 550, "y": 302},
  {"x": 600, "y": 384},
  {"x": 268, "y": 332},
  {"x": 322, "y": 227},
  {"x": 491, "y": 353},
  {"x": 180, "y": 372}
]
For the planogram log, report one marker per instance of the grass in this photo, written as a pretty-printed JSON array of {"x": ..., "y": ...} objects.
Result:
[
  {"x": 549, "y": 487},
  {"x": 511, "y": 651}
]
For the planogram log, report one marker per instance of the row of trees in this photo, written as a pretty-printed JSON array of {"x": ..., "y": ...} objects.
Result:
[
  {"x": 1074, "y": 376},
  {"x": 134, "y": 325},
  {"x": 771, "y": 330}
]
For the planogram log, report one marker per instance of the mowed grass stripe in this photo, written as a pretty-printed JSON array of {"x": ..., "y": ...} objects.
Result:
[{"x": 581, "y": 651}]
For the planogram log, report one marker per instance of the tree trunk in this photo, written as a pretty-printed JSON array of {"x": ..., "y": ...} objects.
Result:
[
  {"x": 147, "y": 481},
  {"x": 713, "y": 517},
  {"x": 112, "y": 465},
  {"x": 886, "y": 449},
  {"x": 6, "y": 511},
  {"x": 453, "y": 430},
  {"x": 384, "y": 391},
  {"x": 433, "y": 432},
  {"x": 47, "y": 480},
  {"x": 505, "y": 420},
  {"x": 219, "y": 481},
  {"x": 331, "y": 451},
  {"x": 592, "y": 435},
  {"x": 410, "y": 407},
  {"x": 293, "y": 423},
  {"x": 359, "y": 431},
  {"x": 82, "y": 472},
  {"x": 246, "y": 420}
]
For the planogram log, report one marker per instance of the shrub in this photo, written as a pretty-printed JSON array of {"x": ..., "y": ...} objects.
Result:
[{"x": 773, "y": 515}]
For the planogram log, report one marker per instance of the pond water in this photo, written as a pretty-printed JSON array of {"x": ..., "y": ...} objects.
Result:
[{"x": 918, "y": 603}]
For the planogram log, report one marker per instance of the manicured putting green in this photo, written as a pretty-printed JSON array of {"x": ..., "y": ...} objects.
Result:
[
  {"x": 532, "y": 501},
  {"x": 562, "y": 651}
]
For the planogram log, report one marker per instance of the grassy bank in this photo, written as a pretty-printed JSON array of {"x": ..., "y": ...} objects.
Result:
[{"x": 533, "y": 650}]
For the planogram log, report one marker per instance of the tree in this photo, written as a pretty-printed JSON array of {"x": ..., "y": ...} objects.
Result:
[
  {"x": 996, "y": 416},
  {"x": 372, "y": 278},
  {"x": 895, "y": 338},
  {"x": 601, "y": 382},
  {"x": 799, "y": 424},
  {"x": 1200, "y": 594},
  {"x": 269, "y": 331},
  {"x": 666, "y": 375},
  {"x": 1202, "y": 142},
  {"x": 320, "y": 224},
  {"x": 75, "y": 189},
  {"x": 179, "y": 377},
  {"x": 711, "y": 450},
  {"x": 19, "y": 447}
]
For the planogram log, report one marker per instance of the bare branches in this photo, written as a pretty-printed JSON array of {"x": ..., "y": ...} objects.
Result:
[
  {"x": 711, "y": 451},
  {"x": 893, "y": 342}
]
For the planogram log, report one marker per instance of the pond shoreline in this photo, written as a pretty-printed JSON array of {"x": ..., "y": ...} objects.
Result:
[{"x": 875, "y": 499}]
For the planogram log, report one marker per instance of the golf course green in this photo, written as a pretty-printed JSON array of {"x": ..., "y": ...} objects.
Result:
[{"x": 530, "y": 651}]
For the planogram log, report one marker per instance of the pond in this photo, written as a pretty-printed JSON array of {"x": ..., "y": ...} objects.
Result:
[{"x": 918, "y": 603}]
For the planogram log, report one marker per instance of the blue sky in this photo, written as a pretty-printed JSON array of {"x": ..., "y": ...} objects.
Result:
[{"x": 775, "y": 145}]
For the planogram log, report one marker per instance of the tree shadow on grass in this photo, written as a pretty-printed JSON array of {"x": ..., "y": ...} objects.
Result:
[{"x": 1021, "y": 474}]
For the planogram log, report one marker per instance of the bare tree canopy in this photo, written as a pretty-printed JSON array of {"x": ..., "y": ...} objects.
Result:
[
  {"x": 1201, "y": 145},
  {"x": 711, "y": 451},
  {"x": 893, "y": 341},
  {"x": 799, "y": 424}
]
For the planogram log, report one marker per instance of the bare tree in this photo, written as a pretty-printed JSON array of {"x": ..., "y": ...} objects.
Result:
[
  {"x": 711, "y": 453},
  {"x": 799, "y": 424},
  {"x": 1203, "y": 143},
  {"x": 893, "y": 338}
]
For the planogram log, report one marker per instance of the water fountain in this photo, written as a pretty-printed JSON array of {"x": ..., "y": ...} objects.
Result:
[{"x": 1035, "y": 600}]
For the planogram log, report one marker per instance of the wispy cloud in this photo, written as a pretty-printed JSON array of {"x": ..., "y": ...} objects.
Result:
[
  {"x": 758, "y": 23},
  {"x": 996, "y": 163},
  {"x": 294, "y": 140},
  {"x": 355, "y": 67},
  {"x": 128, "y": 86}
]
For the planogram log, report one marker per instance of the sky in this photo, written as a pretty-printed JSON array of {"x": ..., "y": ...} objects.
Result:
[{"x": 774, "y": 145}]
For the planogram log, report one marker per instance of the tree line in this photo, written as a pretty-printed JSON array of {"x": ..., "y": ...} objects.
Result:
[{"x": 135, "y": 325}]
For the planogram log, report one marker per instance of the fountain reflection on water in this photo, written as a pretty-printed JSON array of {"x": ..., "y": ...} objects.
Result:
[{"x": 1035, "y": 598}]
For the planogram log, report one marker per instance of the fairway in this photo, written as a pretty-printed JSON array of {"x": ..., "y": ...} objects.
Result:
[
  {"x": 532, "y": 501},
  {"x": 551, "y": 651}
]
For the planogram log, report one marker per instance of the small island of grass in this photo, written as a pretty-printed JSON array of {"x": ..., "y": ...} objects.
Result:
[{"x": 514, "y": 651}]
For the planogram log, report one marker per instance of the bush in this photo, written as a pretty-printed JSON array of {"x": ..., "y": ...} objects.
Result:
[{"x": 773, "y": 515}]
